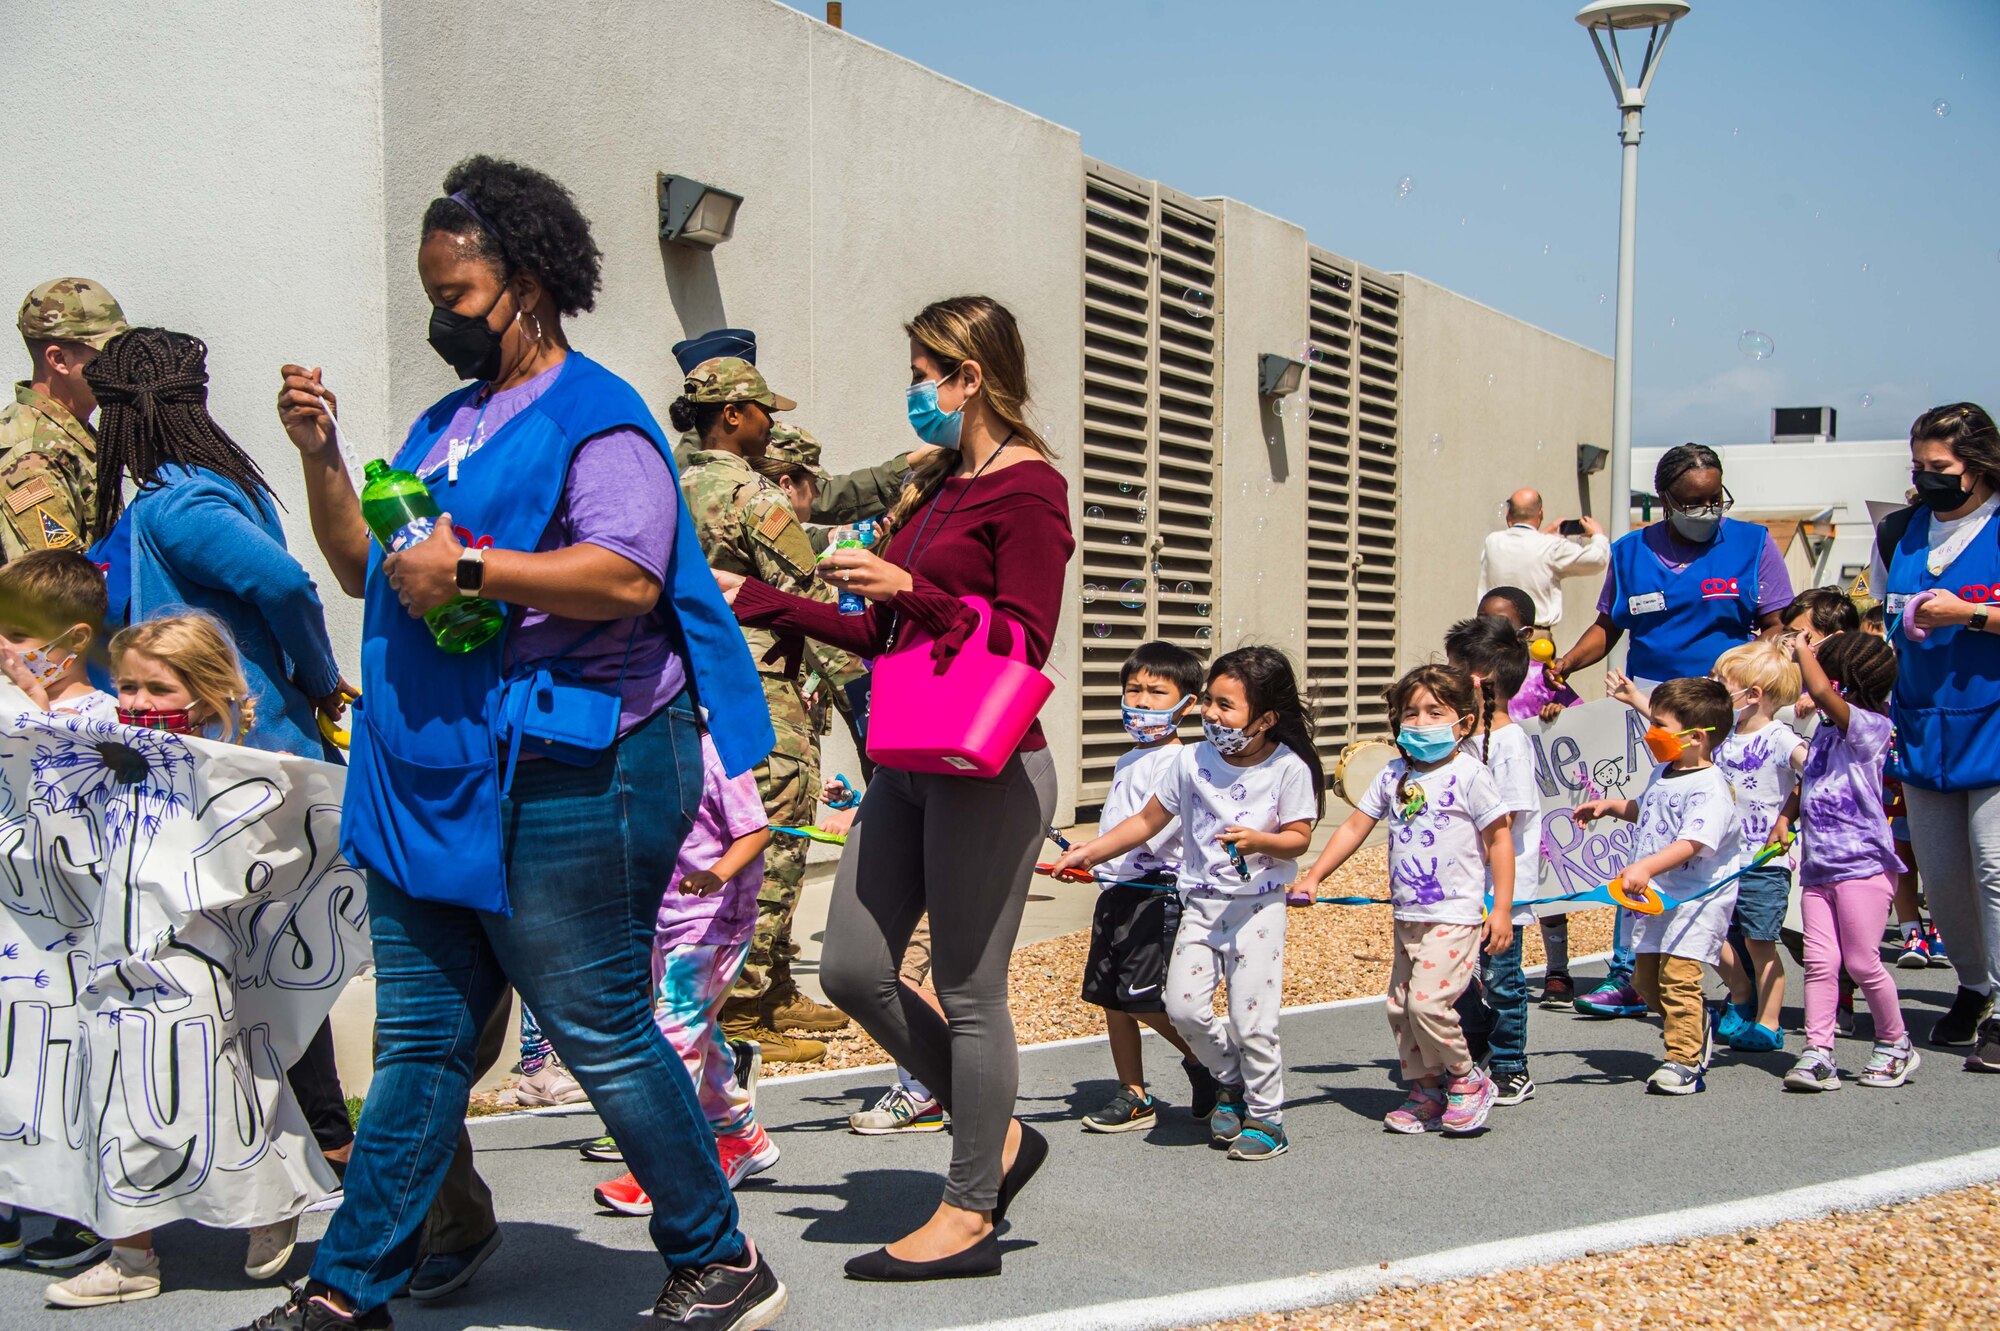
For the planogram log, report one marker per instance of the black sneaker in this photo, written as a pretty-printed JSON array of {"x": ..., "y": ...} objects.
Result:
[
  {"x": 70, "y": 1245},
  {"x": 1203, "y": 1089},
  {"x": 1512, "y": 1086},
  {"x": 748, "y": 1057},
  {"x": 10, "y": 1237},
  {"x": 1958, "y": 1026},
  {"x": 1558, "y": 990},
  {"x": 744, "y": 1297},
  {"x": 1123, "y": 1112},
  {"x": 308, "y": 1310}
]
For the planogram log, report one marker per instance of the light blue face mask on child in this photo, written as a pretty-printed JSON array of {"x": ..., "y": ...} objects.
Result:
[
  {"x": 1427, "y": 744},
  {"x": 933, "y": 424}
]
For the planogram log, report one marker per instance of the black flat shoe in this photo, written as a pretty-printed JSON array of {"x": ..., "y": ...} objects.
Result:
[
  {"x": 1033, "y": 1151},
  {"x": 981, "y": 1259}
]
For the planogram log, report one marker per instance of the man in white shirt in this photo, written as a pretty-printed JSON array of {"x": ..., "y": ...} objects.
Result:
[{"x": 1534, "y": 558}]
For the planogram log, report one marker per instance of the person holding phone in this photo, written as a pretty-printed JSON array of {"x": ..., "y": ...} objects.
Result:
[{"x": 1536, "y": 555}]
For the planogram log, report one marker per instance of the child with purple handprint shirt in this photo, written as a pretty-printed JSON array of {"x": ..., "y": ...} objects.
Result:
[{"x": 1448, "y": 827}]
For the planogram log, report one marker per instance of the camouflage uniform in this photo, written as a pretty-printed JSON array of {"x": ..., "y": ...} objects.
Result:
[
  {"x": 829, "y": 669},
  {"x": 48, "y": 458},
  {"x": 746, "y": 525}
]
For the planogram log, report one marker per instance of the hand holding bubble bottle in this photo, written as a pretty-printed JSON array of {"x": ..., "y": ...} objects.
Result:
[{"x": 860, "y": 536}]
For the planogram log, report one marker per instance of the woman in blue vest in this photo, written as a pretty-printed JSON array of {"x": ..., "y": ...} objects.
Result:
[
  {"x": 1946, "y": 549},
  {"x": 495, "y": 855},
  {"x": 1687, "y": 588}
]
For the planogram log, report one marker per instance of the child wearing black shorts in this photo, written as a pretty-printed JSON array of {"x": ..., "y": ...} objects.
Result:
[{"x": 1132, "y": 930}]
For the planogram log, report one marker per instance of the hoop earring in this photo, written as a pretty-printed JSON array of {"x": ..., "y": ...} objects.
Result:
[{"x": 531, "y": 326}]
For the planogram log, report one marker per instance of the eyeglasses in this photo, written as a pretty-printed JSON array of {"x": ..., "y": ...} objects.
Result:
[{"x": 1714, "y": 510}]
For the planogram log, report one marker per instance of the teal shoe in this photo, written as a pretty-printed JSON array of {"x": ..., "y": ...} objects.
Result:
[
  {"x": 1754, "y": 1038},
  {"x": 1731, "y": 1019},
  {"x": 1225, "y": 1122},
  {"x": 1258, "y": 1141}
]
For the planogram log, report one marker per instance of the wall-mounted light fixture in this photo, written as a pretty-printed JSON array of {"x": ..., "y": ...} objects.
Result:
[
  {"x": 1278, "y": 375},
  {"x": 1590, "y": 459},
  {"x": 692, "y": 213}
]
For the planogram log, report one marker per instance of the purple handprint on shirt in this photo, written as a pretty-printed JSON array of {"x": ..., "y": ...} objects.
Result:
[{"x": 1423, "y": 883}]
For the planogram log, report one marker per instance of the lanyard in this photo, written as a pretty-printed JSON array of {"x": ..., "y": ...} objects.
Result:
[{"x": 457, "y": 450}]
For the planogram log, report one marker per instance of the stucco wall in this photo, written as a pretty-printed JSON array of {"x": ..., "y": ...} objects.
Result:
[
  {"x": 222, "y": 176},
  {"x": 1490, "y": 404}
]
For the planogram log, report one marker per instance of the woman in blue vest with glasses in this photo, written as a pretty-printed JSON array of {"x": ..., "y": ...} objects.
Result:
[
  {"x": 519, "y": 806},
  {"x": 1686, "y": 588},
  {"x": 1938, "y": 567}
]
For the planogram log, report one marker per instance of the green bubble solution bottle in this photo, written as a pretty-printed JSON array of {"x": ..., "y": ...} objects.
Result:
[{"x": 399, "y": 509}]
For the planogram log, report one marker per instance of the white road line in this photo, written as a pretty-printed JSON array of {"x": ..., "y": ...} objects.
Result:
[
  {"x": 793, "y": 1078},
  {"x": 1235, "y": 1301}
]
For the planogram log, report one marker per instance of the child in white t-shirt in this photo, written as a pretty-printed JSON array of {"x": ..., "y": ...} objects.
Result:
[
  {"x": 1247, "y": 798},
  {"x": 1448, "y": 831},
  {"x": 1494, "y": 1012},
  {"x": 52, "y": 607},
  {"x": 1138, "y": 911},
  {"x": 1687, "y": 840}
]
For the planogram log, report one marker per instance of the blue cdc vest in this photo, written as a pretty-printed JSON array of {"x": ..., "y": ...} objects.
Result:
[
  {"x": 1947, "y": 701},
  {"x": 1680, "y": 622},
  {"x": 423, "y": 785}
]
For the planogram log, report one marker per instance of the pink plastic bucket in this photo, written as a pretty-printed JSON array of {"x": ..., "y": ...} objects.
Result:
[{"x": 967, "y": 720}]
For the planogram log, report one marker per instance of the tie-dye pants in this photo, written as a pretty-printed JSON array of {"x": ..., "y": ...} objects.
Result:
[{"x": 690, "y": 983}]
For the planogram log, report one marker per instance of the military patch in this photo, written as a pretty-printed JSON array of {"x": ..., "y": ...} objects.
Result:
[
  {"x": 774, "y": 523},
  {"x": 34, "y": 490},
  {"x": 779, "y": 532},
  {"x": 54, "y": 534}
]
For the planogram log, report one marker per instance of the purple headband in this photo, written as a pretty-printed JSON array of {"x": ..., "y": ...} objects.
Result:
[{"x": 458, "y": 197}]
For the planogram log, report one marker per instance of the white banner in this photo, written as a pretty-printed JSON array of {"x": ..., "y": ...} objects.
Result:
[
  {"x": 177, "y": 924},
  {"x": 1593, "y": 751}
]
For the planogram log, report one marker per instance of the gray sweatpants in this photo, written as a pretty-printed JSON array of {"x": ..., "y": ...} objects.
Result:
[
  {"x": 1956, "y": 834},
  {"x": 963, "y": 848}
]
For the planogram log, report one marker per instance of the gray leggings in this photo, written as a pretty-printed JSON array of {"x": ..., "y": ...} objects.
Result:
[
  {"x": 964, "y": 849},
  {"x": 1956, "y": 834}
]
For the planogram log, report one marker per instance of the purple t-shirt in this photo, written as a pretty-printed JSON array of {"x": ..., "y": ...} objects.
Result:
[
  {"x": 1843, "y": 829},
  {"x": 730, "y": 809},
  {"x": 621, "y": 497},
  {"x": 1774, "y": 583}
]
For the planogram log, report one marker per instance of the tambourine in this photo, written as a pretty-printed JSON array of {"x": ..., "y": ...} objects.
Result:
[
  {"x": 1912, "y": 630},
  {"x": 1358, "y": 766},
  {"x": 334, "y": 733},
  {"x": 1648, "y": 902},
  {"x": 1048, "y": 869}
]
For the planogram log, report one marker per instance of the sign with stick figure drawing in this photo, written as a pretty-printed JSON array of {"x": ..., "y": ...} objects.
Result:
[{"x": 1593, "y": 751}]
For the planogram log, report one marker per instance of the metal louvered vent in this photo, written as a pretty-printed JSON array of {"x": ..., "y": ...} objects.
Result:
[
  {"x": 1330, "y": 501},
  {"x": 1378, "y": 367},
  {"x": 1150, "y": 439}
]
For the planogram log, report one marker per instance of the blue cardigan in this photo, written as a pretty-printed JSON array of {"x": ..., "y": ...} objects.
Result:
[{"x": 194, "y": 540}]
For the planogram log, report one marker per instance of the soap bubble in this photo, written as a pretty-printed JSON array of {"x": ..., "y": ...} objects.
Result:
[
  {"x": 1101, "y": 630},
  {"x": 1403, "y": 188},
  {"x": 1492, "y": 379},
  {"x": 1203, "y": 633},
  {"x": 1437, "y": 443},
  {"x": 1126, "y": 539},
  {"x": 1940, "y": 108},
  {"x": 1184, "y": 588},
  {"x": 1094, "y": 513},
  {"x": 1756, "y": 345},
  {"x": 1864, "y": 267},
  {"x": 1124, "y": 487},
  {"x": 1090, "y": 590},
  {"x": 1202, "y": 610},
  {"x": 1142, "y": 512},
  {"x": 1867, "y": 399},
  {"x": 1133, "y": 594},
  {"x": 1541, "y": 444},
  {"x": 1545, "y": 250},
  {"x": 1601, "y": 298},
  {"x": 1200, "y": 304},
  {"x": 1055, "y": 648}
]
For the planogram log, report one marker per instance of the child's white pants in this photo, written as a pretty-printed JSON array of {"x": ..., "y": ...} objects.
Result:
[{"x": 1240, "y": 939}]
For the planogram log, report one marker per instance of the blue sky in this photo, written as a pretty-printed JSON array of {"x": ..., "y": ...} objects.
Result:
[{"x": 1795, "y": 178}]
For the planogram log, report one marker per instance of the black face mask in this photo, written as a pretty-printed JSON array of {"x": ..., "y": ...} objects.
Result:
[
  {"x": 1939, "y": 492},
  {"x": 468, "y": 345}
]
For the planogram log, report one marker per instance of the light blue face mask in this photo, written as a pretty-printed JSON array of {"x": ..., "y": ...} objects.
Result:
[
  {"x": 933, "y": 424},
  {"x": 1427, "y": 744}
]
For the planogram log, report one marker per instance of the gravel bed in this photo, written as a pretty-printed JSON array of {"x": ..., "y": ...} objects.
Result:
[{"x": 1909, "y": 1265}]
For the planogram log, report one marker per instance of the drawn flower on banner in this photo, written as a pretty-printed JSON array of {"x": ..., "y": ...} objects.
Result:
[{"x": 129, "y": 779}]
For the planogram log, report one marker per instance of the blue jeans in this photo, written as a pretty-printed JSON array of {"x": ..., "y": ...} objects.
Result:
[
  {"x": 589, "y": 854},
  {"x": 1494, "y": 1012},
  {"x": 1622, "y": 953}
]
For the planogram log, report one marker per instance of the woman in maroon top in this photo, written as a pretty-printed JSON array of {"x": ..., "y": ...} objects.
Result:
[{"x": 989, "y": 517}]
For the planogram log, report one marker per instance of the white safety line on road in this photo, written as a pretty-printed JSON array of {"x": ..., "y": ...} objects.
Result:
[{"x": 1229, "y": 1302}]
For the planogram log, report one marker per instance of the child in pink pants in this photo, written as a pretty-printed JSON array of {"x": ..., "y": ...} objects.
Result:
[{"x": 1849, "y": 869}]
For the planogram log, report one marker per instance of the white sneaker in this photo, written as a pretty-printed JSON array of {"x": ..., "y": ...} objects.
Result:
[
  {"x": 270, "y": 1248},
  {"x": 897, "y": 1111},
  {"x": 1890, "y": 1065},
  {"x": 550, "y": 1084},
  {"x": 123, "y": 1277}
]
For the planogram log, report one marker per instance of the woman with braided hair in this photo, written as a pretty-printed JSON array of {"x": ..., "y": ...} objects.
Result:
[{"x": 202, "y": 533}]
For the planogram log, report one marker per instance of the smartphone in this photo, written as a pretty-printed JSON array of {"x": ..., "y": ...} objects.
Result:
[{"x": 1570, "y": 527}]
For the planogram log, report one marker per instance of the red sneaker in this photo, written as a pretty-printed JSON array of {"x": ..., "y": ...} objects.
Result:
[
  {"x": 623, "y": 1195},
  {"x": 741, "y": 1154}
]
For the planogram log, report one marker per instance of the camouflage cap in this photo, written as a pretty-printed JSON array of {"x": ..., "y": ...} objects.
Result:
[
  {"x": 71, "y": 309},
  {"x": 793, "y": 447},
  {"x": 728, "y": 379}
]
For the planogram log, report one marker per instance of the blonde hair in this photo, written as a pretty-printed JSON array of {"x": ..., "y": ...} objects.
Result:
[
  {"x": 970, "y": 328},
  {"x": 199, "y": 650},
  {"x": 1760, "y": 665}
]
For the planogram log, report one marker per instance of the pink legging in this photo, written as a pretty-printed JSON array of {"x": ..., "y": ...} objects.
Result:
[{"x": 1844, "y": 923}]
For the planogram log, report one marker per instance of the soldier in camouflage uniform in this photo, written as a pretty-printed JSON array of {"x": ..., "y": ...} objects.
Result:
[
  {"x": 746, "y": 525},
  {"x": 48, "y": 456}
]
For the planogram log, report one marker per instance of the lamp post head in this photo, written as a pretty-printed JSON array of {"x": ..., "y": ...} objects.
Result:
[
  {"x": 1631, "y": 13},
  {"x": 1605, "y": 19}
]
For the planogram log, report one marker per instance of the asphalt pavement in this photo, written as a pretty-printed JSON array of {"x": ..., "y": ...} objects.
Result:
[{"x": 1161, "y": 1213}]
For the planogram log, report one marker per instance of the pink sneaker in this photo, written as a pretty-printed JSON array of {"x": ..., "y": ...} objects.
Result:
[
  {"x": 750, "y": 1151},
  {"x": 1468, "y": 1101},
  {"x": 1422, "y": 1112}
]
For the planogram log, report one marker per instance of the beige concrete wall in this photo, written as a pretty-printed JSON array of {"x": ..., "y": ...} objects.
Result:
[
  {"x": 871, "y": 186},
  {"x": 1263, "y": 485},
  {"x": 223, "y": 178},
  {"x": 1490, "y": 404}
]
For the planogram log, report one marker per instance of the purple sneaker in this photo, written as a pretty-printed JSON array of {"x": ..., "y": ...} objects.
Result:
[
  {"x": 1468, "y": 1101},
  {"x": 1613, "y": 998}
]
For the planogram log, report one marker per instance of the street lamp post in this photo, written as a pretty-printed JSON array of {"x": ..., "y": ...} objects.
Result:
[{"x": 1606, "y": 19}]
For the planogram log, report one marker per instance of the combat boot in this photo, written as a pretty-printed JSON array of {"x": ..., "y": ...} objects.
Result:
[
  {"x": 776, "y": 1046},
  {"x": 788, "y": 1008}
]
